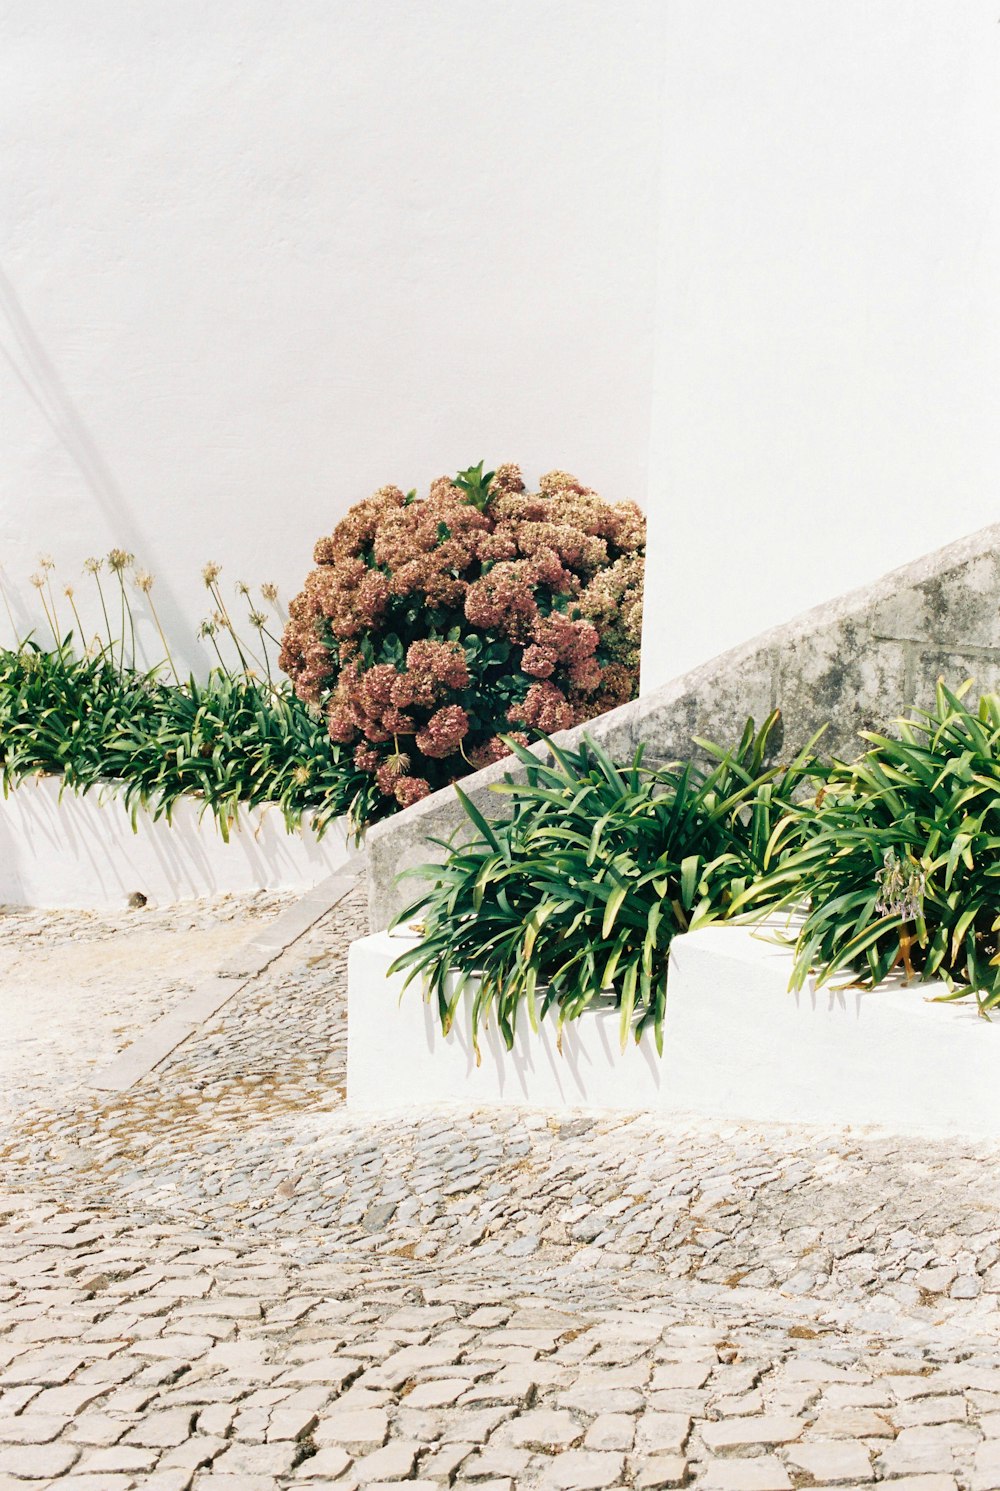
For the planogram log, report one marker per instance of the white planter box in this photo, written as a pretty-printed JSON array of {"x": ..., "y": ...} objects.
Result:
[
  {"x": 737, "y": 1044},
  {"x": 82, "y": 852}
]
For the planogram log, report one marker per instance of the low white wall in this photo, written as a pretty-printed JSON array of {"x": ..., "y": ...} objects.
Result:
[
  {"x": 81, "y": 851},
  {"x": 737, "y": 1045},
  {"x": 397, "y": 1056}
]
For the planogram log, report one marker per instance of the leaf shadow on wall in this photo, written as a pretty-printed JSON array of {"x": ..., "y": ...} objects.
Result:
[{"x": 33, "y": 369}]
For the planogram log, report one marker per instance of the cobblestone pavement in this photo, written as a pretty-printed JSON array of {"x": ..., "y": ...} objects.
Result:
[
  {"x": 61, "y": 1014},
  {"x": 222, "y": 1279}
]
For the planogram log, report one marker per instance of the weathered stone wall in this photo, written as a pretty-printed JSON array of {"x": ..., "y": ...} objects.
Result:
[{"x": 856, "y": 663}]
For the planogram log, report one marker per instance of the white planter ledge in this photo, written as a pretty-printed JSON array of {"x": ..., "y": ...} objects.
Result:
[
  {"x": 82, "y": 852},
  {"x": 737, "y": 1044}
]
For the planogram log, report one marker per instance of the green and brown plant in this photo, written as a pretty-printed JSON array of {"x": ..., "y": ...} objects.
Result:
[
  {"x": 235, "y": 739},
  {"x": 433, "y": 632},
  {"x": 895, "y": 863}
]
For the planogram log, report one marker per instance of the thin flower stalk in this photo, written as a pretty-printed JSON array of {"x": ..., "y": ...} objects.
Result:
[
  {"x": 93, "y": 566},
  {"x": 210, "y": 574},
  {"x": 38, "y": 581},
  {"x": 258, "y": 620},
  {"x": 46, "y": 564},
  {"x": 119, "y": 561},
  {"x": 207, "y": 632},
  {"x": 70, "y": 595},
  {"x": 144, "y": 582}
]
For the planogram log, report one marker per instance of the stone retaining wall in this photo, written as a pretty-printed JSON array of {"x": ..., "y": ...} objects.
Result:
[{"x": 856, "y": 663}]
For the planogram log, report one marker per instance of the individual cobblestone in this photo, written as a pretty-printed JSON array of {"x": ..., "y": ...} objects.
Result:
[{"x": 223, "y": 1280}]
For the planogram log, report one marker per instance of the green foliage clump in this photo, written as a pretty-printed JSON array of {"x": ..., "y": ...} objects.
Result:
[
  {"x": 896, "y": 862},
  {"x": 579, "y": 894},
  {"x": 96, "y": 718},
  {"x": 231, "y": 741},
  {"x": 890, "y": 861}
]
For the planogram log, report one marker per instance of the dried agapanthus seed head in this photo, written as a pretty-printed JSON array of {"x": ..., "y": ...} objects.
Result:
[
  {"x": 901, "y": 884},
  {"x": 258, "y": 619},
  {"x": 211, "y": 573},
  {"x": 93, "y": 566},
  {"x": 68, "y": 592},
  {"x": 37, "y": 580},
  {"x": 119, "y": 560},
  {"x": 45, "y": 563},
  {"x": 301, "y": 775},
  {"x": 270, "y": 593},
  {"x": 220, "y": 620},
  {"x": 144, "y": 581},
  {"x": 207, "y": 629},
  {"x": 242, "y": 588},
  {"x": 390, "y": 771}
]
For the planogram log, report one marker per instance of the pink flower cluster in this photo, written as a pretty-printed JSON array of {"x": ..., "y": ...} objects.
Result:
[
  {"x": 376, "y": 635},
  {"x": 382, "y": 702}
]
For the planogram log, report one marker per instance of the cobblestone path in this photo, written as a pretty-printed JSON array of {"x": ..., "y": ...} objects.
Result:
[{"x": 221, "y": 1279}]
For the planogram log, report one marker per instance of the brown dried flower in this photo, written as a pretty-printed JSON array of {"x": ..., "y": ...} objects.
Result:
[
  {"x": 409, "y": 790},
  {"x": 442, "y": 622}
]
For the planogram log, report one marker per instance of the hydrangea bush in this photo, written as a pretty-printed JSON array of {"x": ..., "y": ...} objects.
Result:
[{"x": 431, "y": 628}]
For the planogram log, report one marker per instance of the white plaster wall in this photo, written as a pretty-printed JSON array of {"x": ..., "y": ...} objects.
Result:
[
  {"x": 736, "y": 1044},
  {"x": 258, "y": 258},
  {"x": 828, "y": 325},
  {"x": 58, "y": 848}
]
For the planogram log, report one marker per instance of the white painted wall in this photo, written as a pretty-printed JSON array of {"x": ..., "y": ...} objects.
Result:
[
  {"x": 828, "y": 328},
  {"x": 259, "y": 258},
  {"x": 736, "y": 1044},
  {"x": 58, "y": 848}
]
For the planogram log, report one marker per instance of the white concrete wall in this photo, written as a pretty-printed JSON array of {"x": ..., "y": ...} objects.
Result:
[
  {"x": 828, "y": 328},
  {"x": 258, "y": 258},
  {"x": 736, "y": 1044},
  {"x": 61, "y": 849}
]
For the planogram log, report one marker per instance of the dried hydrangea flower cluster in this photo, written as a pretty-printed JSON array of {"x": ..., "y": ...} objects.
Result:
[{"x": 430, "y": 628}]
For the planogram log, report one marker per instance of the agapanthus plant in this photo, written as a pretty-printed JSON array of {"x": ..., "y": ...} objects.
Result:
[
  {"x": 896, "y": 862},
  {"x": 432, "y": 629},
  {"x": 577, "y": 895}
]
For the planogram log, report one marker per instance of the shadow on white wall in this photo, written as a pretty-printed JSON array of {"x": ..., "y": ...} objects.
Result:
[
  {"x": 82, "y": 851},
  {"x": 26, "y": 357}
]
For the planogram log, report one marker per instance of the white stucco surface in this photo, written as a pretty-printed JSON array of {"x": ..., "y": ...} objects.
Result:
[
  {"x": 736, "y": 260},
  {"x": 828, "y": 325},
  {"x": 84, "y": 851},
  {"x": 736, "y": 1045},
  {"x": 257, "y": 260}
]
